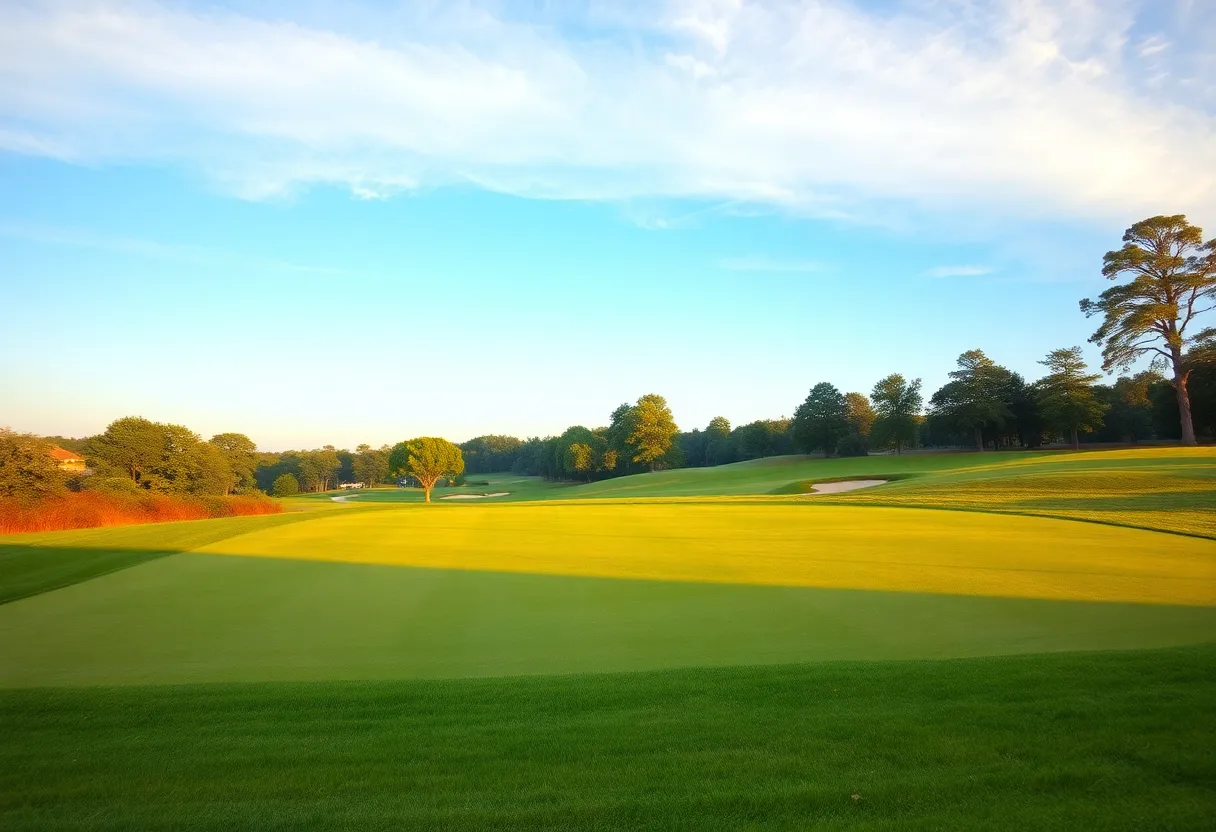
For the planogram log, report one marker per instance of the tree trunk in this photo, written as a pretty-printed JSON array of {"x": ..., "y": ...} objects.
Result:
[
  {"x": 427, "y": 491},
  {"x": 1184, "y": 402},
  {"x": 897, "y": 449},
  {"x": 979, "y": 438},
  {"x": 1076, "y": 440}
]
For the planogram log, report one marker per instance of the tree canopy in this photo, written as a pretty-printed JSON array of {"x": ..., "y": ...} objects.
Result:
[
  {"x": 426, "y": 459},
  {"x": 649, "y": 429},
  {"x": 1066, "y": 394},
  {"x": 897, "y": 406},
  {"x": 822, "y": 419},
  {"x": 1173, "y": 281}
]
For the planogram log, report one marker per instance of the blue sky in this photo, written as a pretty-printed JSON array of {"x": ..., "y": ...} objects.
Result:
[{"x": 363, "y": 222}]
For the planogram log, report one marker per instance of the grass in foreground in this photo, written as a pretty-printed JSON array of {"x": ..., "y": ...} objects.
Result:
[{"x": 1063, "y": 742}]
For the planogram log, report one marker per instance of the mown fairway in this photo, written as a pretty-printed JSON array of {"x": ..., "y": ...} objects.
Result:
[{"x": 305, "y": 628}]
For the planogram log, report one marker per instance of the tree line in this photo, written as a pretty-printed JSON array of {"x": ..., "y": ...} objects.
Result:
[{"x": 1165, "y": 278}]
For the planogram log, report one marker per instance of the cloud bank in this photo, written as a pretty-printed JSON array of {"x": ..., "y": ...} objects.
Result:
[{"x": 1077, "y": 109}]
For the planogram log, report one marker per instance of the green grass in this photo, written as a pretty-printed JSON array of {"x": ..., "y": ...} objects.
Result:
[
  {"x": 34, "y": 563},
  {"x": 208, "y": 618},
  {"x": 680, "y": 650},
  {"x": 1075, "y": 741}
]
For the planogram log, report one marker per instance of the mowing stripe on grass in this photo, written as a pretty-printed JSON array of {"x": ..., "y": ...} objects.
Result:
[
  {"x": 889, "y": 549},
  {"x": 195, "y": 618}
]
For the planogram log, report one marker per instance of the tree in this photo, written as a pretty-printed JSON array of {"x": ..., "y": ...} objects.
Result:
[
  {"x": 1066, "y": 394},
  {"x": 652, "y": 428},
  {"x": 426, "y": 459},
  {"x": 131, "y": 444},
  {"x": 821, "y": 420},
  {"x": 318, "y": 468},
  {"x": 717, "y": 441},
  {"x": 897, "y": 404},
  {"x": 241, "y": 453},
  {"x": 580, "y": 459},
  {"x": 973, "y": 399},
  {"x": 27, "y": 470},
  {"x": 285, "y": 485},
  {"x": 859, "y": 413},
  {"x": 210, "y": 471},
  {"x": 371, "y": 464},
  {"x": 1173, "y": 281}
]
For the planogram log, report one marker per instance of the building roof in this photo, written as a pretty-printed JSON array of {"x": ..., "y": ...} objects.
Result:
[{"x": 64, "y": 456}]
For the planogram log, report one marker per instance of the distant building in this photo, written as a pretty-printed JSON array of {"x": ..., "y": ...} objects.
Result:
[
  {"x": 346, "y": 485},
  {"x": 68, "y": 460}
]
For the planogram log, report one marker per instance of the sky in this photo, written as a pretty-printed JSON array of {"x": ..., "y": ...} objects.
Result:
[{"x": 334, "y": 223}]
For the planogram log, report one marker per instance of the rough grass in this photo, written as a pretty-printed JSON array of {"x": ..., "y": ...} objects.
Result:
[
  {"x": 91, "y": 509},
  {"x": 1094, "y": 741}
]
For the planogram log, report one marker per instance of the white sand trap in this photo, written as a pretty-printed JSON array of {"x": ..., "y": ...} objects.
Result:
[
  {"x": 344, "y": 498},
  {"x": 475, "y": 496},
  {"x": 847, "y": 485}
]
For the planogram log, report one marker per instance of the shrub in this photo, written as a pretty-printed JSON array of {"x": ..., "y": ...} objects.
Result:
[
  {"x": 853, "y": 445},
  {"x": 285, "y": 485},
  {"x": 90, "y": 509}
]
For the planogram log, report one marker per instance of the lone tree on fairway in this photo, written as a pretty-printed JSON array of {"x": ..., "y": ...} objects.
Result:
[
  {"x": 821, "y": 420},
  {"x": 897, "y": 403},
  {"x": 1066, "y": 394},
  {"x": 651, "y": 429},
  {"x": 426, "y": 459},
  {"x": 1173, "y": 281}
]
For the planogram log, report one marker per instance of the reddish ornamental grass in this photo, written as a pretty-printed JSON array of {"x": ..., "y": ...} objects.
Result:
[{"x": 90, "y": 509}]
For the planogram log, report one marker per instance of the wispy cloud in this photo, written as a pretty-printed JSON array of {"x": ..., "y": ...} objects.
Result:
[
  {"x": 1029, "y": 108},
  {"x": 957, "y": 271},
  {"x": 138, "y": 247},
  {"x": 765, "y": 264}
]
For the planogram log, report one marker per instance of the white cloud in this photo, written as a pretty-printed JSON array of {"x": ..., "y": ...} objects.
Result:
[
  {"x": 957, "y": 271},
  {"x": 1014, "y": 107},
  {"x": 765, "y": 264}
]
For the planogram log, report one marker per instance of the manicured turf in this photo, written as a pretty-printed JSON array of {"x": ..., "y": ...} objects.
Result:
[
  {"x": 191, "y": 618},
  {"x": 308, "y": 627},
  {"x": 34, "y": 563},
  {"x": 1066, "y": 742},
  {"x": 776, "y": 544}
]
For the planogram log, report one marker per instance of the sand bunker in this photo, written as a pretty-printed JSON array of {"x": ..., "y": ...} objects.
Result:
[
  {"x": 475, "y": 496},
  {"x": 847, "y": 485},
  {"x": 344, "y": 498}
]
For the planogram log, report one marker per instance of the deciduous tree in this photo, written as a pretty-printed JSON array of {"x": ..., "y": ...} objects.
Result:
[
  {"x": 241, "y": 453},
  {"x": 371, "y": 464},
  {"x": 821, "y": 420},
  {"x": 27, "y": 471},
  {"x": 859, "y": 413},
  {"x": 652, "y": 429},
  {"x": 285, "y": 485},
  {"x": 426, "y": 459},
  {"x": 1173, "y": 281},
  {"x": 897, "y": 404}
]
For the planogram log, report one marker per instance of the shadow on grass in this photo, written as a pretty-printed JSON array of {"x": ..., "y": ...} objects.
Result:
[{"x": 34, "y": 563}]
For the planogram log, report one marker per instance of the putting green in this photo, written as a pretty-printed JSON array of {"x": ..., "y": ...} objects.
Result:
[{"x": 828, "y": 546}]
